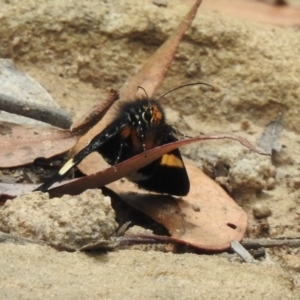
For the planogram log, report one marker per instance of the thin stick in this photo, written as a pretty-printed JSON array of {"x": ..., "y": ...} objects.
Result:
[
  {"x": 270, "y": 243},
  {"x": 51, "y": 115},
  {"x": 242, "y": 252}
]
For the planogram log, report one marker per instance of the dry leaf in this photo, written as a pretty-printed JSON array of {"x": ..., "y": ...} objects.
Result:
[
  {"x": 21, "y": 145},
  {"x": 153, "y": 72},
  {"x": 207, "y": 218}
]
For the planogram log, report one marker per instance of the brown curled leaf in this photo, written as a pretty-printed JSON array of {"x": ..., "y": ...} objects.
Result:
[{"x": 153, "y": 72}]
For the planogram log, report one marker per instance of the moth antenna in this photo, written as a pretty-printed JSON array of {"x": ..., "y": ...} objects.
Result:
[
  {"x": 188, "y": 84},
  {"x": 140, "y": 87}
]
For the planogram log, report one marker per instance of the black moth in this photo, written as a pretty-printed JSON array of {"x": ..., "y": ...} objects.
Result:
[{"x": 137, "y": 127}]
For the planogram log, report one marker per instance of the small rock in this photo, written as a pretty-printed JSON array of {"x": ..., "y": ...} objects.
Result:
[
  {"x": 163, "y": 3},
  {"x": 138, "y": 230},
  {"x": 261, "y": 211},
  {"x": 66, "y": 223},
  {"x": 195, "y": 207}
]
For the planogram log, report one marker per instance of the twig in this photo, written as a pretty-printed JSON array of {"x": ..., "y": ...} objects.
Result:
[
  {"x": 242, "y": 252},
  {"x": 51, "y": 115},
  {"x": 270, "y": 243}
]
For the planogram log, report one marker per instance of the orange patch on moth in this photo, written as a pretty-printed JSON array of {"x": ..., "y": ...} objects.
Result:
[
  {"x": 157, "y": 115},
  {"x": 126, "y": 131},
  {"x": 171, "y": 160},
  {"x": 137, "y": 143}
]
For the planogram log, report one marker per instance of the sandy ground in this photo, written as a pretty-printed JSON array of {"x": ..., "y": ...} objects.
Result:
[
  {"x": 35, "y": 272},
  {"x": 77, "y": 51}
]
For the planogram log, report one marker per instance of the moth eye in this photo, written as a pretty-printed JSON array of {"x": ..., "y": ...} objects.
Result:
[{"x": 148, "y": 115}]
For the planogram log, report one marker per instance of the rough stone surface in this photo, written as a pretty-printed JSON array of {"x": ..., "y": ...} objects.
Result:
[
  {"x": 235, "y": 167},
  {"x": 255, "y": 67},
  {"x": 69, "y": 222}
]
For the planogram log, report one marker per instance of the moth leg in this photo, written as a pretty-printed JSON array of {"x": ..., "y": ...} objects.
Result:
[
  {"x": 176, "y": 131},
  {"x": 119, "y": 154}
]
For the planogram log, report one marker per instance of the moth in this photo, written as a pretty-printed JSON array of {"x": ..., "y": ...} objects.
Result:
[{"x": 138, "y": 126}]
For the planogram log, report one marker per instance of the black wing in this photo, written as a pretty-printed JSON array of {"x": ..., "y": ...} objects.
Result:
[
  {"x": 164, "y": 175},
  {"x": 98, "y": 141}
]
